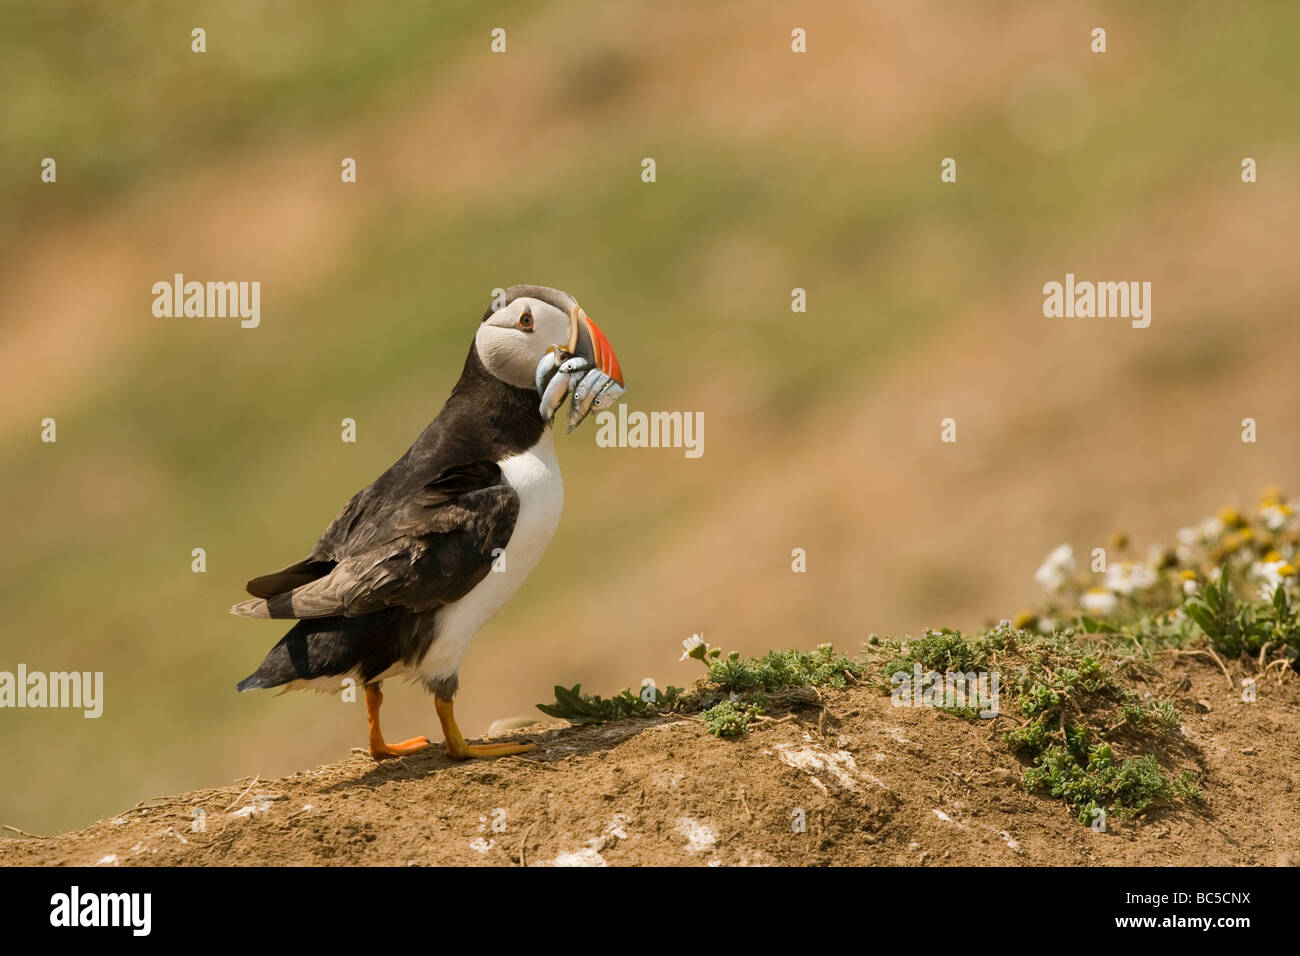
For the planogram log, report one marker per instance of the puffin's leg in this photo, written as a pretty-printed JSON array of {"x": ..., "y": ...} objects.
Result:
[
  {"x": 457, "y": 749},
  {"x": 378, "y": 749}
]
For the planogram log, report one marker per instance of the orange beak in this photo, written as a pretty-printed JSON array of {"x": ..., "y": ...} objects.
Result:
[{"x": 584, "y": 336}]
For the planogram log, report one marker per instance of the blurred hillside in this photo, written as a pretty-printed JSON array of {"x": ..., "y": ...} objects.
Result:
[{"x": 477, "y": 170}]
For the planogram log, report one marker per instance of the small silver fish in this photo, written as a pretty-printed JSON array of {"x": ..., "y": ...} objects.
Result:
[
  {"x": 585, "y": 395},
  {"x": 553, "y": 396},
  {"x": 546, "y": 367},
  {"x": 575, "y": 364},
  {"x": 608, "y": 395},
  {"x": 556, "y": 358}
]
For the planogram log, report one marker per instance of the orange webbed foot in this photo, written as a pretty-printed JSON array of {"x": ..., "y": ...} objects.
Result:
[
  {"x": 383, "y": 751},
  {"x": 457, "y": 749},
  {"x": 378, "y": 748},
  {"x": 466, "y": 751}
]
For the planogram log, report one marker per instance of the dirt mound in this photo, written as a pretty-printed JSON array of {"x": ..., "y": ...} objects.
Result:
[{"x": 847, "y": 779}]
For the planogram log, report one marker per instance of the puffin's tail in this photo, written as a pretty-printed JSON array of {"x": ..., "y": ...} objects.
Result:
[
  {"x": 327, "y": 647},
  {"x": 252, "y": 682}
]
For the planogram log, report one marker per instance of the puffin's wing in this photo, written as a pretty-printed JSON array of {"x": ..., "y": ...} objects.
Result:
[
  {"x": 398, "y": 502},
  {"x": 294, "y": 576},
  {"x": 422, "y": 551}
]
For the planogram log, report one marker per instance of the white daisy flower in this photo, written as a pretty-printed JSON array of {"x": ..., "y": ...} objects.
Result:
[
  {"x": 1206, "y": 532},
  {"x": 1271, "y": 573},
  {"x": 1275, "y": 516},
  {"x": 1126, "y": 577},
  {"x": 1099, "y": 601},
  {"x": 1056, "y": 569}
]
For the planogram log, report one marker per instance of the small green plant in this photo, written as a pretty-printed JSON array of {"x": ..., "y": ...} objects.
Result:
[
  {"x": 1236, "y": 627},
  {"x": 1071, "y": 694},
  {"x": 779, "y": 670},
  {"x": 1092, "y": 779},
  {"x": 946, "y": 650},
  {"x": 748, "y": 681},
  {"x": 573, "y": 705},
  {"x": 729, "y": 718}
]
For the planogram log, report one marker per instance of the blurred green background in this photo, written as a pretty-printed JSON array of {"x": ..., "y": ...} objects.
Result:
[{"x": 478, "y": 170}]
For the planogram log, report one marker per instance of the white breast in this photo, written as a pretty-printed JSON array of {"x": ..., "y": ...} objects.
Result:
[{"x": 535, "y": 477}]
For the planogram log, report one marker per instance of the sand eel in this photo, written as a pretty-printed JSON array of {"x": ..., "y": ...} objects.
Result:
[{"x": 404, "y": 577}]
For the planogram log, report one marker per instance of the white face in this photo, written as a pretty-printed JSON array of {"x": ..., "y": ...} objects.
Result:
[{"x": 513, "y": 339}]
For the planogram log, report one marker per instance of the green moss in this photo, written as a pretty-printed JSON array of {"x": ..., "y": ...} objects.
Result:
[{"x": 729, "y": 718}]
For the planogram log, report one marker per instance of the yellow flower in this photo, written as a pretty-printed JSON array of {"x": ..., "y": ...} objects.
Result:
[
  {"x": 1287, "y": 571},
  {"x": 1023, "y": 620},
  {"x": 1187, "y": 574},
  {"x": 1231, "y": 517},
  {"x": 1238, "y": 540}
]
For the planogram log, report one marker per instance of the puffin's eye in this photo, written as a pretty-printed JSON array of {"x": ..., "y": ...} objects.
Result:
[{"x": 526, "y": 321}]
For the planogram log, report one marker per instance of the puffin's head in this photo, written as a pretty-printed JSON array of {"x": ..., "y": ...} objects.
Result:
[{"x": 513, "y": 338}]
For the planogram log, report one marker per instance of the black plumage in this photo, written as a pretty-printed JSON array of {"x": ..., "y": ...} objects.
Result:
[
  {"x": 420, "y": 536},
  {"x": 399, "y": 582}
]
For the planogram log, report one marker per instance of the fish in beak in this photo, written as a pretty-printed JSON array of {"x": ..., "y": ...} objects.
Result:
[{"x": 586, "y": 365}]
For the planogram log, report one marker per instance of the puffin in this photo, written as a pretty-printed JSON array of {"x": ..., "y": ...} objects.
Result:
[{"x": 425, "y": 555}]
